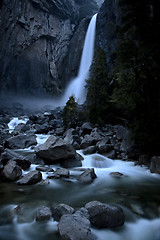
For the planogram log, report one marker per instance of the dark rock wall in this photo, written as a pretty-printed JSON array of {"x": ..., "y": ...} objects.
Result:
[
  {"x": 75, "y": 51},
  {"x": 108, "y": 20},
  {"x": 34, "y": 42}
]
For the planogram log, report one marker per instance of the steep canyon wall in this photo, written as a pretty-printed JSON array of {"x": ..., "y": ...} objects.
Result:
[{"x": 35, "y": 39}]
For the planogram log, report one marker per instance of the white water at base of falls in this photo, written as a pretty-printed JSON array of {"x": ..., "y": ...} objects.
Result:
[
  {"x": 15, "y": 121},
  {"x": 77, "y": 85}
]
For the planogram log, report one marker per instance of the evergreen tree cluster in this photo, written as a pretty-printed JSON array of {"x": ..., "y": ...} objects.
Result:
[
  {"x": 99, "y": 90},
  {"x": 136, "y": 76}
]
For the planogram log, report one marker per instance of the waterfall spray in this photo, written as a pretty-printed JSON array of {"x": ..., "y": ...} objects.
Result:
[{"x": 77, "y": 86}]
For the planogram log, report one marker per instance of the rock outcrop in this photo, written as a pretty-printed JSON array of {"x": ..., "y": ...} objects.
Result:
[
  {"x": 34, "y": 38},
  {"x": 30, "y": 178},
  {"x": 108, "y": 19},
  {"x": 61, "y": 210},
  {"x": 55, "y": 150},
  {"x": 43, "y": 214},
  {"x": 105, "y": 215},
  {"x": 11, "y": 171},
  {"x": 74, "y": 226}
]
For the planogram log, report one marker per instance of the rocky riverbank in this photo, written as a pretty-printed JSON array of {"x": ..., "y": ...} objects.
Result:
[
  {"x": 111, "y": 141},
  {"x": 61, "y": 149}
]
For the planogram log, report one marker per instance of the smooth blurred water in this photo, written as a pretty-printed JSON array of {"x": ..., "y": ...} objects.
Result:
[{"x": 136, "y": 191}]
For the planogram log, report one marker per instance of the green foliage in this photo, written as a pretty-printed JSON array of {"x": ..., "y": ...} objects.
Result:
[
  {"x": 137, "y": 70},
  {"x": 99, "y": 89},
  {"x": 73, "y": 114},
  {"x": 70, "y": 113}
]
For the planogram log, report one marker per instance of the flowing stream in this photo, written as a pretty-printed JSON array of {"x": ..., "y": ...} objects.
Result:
[
  {"x": 77, "y": 85},
  {"x": 135, "y": 189}
]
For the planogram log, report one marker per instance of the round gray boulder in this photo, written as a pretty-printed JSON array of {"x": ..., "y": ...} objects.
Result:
[{"x": 105, "y": 215}]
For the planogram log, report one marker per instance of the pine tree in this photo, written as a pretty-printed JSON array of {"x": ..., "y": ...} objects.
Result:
[
  {"x": 137, "y": 71},
  {"x": 98, "y": 96}
]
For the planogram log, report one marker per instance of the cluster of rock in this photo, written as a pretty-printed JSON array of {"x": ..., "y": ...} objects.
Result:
[
  {"x": 77, "y": 224},
  {"x": 60, "y": 147},
  {"x": 12, "y": 164}
]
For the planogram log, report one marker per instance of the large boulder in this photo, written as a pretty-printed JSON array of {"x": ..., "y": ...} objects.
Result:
[
  {"x": 42, "y": 128},
  {"x": 30, "y": 178},
  {"x": 87, "y": 141},
  {"x": 90, "y": 150},
  {"x": 44, "y": 213},
  {"x": 87, "y": 176},
  {"x": 21, "y": 161},
  {"x": 104, "y": 145},
  {"x": 20, "y": 141},
  {"x": 55, "y": 150},
  {"x": 155, "y": 164},
  {"x": 11, "y": 171},
  {"x": 86, "y": 128},
  {"x": 105, "y": 215},
  {"x": 75, "y": 226},
  {"x": 61, "y": 210},
  {"x": 73, "y": 162}
]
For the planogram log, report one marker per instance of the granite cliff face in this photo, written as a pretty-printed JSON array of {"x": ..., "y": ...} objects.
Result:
[
  {"x": 34, "y": 41},
  {"x": 108, "y": 20}
]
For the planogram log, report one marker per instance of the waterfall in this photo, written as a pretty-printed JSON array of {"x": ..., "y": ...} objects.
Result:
[{"x": 77, "y": 86}]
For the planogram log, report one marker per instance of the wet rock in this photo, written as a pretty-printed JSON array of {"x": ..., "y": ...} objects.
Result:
[
  {"x": 72, "y": 162},
  {"x": 20, "y": 141},
  {"x": 111, "y": 154},
  {"x": 104, "y": 145},
  {"x": 34, "y": 159},
  {"x": 83, "y": 211},
  {"x": 30, "y": 178},
  {"x": 62, "y": 172},
  {"x": 61, "y": 210},
  {"x": 1, "y": 149},
  {"x": 137, "y": 209},
  {"x": 105, "y": 215},
  {"x": 59, "y": 131},
  {"x": 97, "y": 134},
  {"x": 21, "y": 128},
  {"x": 11, "y": 171},
  {"x": 74, "y": 226},
  {"x": 56, "y": 123},
  {"x": 33, "y": 118},
  {"x": 76, "y": 145},
  {"x": 120, "y": 132},
  {"x": 86, "y": 128},
  {"x": 90, "y": 150},
  {"x": 144, "y": 160},
  {"x": 55, "y": 150},
  {"x": 4, "y": 136},
  {"x": 105, "y": 148},
  {"x": 42, "y": 129},
  {"x": 155, "y": 164},
  {"x": 87, "y": 176},
  {"x": 44, "y": 182},
  {"x": 69, "y": 136},
  {"x": 21, "y": 161},
  {"x": 44, "y": 169},
  {"x": 117, "y": 174},
  {"x": 87, "y": 141},
  {"x": 44, "y": 213}
]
